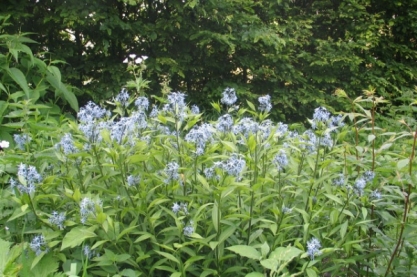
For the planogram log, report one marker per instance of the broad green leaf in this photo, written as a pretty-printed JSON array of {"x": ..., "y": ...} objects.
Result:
[
  {"x": 251, "y": 105},
  {"x": 246, "y": 251},
  {"x": 371, "y": 138},
  {"x": 20, "y": 79},
  {"x": 4, "y": 246},
  {"x": 311, "y": 272},
  {"x": 61, "y": 89},
  {"x": 127, "y": 272},
  {"x": 285, "y": 253},
  {"x": 77, "y": 236},
  {"x": 55, "y": 72},
  {"x": 402, "y": 163}
]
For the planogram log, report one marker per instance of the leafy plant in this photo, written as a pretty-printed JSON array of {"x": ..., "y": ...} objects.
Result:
[{"x": 148, "y": 187}]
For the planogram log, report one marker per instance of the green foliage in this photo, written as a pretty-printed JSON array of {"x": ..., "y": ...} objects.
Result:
[
  {"x": 134, "y": 192},
  {"x": 299, "y": 52},
  {"x": 29, "y": 87}
]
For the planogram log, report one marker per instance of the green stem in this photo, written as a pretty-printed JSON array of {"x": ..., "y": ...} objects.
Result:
[
  {"x": 406, "y": 207},
  {"x": 314, "y": 173},
  {"x": 99, "y": 165},
  {"x": 253, "y": 182}
]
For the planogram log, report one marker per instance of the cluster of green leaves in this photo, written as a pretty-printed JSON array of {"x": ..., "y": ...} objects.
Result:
[
  {"x": 184, "y": 222},
  {"x": 299, "y": 52},
  {"x": 29, "y": 85}
]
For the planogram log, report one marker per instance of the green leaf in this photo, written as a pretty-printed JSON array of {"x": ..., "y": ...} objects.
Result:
[
  {"x": 343, "y": 229},
  {"x": 215, "y": 216},
  {"x": 20, "y": 79},
  {"x": 402, "y": 163},
  {"x": 77, "y": 236},
  {"x": 254, "y": 274},
  {"x": 62, "y": 89},
  {"x": 246, "y": 251},
  {"x": 251, "y": 105},
  {"x": 334, "y": 198},
  {"x": 168, "y": 256},
  {"x": 19, "y": 212},
  {"x": 285, "y": 253},
  {"x": 311, "y": 272}
]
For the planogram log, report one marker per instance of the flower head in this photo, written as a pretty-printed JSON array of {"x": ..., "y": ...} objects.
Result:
[
  {"x": 369, "y": 176},
  {"x": 225, "y": 123},
  {"x": 321, "y": 114},
  {"x": 200, "y": 136},
  {"x": 195, "y": 109},
  {"x": 88, "y": 208},
  {"x": 339, "y": 180},
  {"x": 265, "y": 103},
  {"x": 57, "y": 219},
  {"x": 229, "y": 96},
  {"x": 142, "y": 103},
  {"x": 375, "y": 194},
  {"x": 246, "y": 126},
  {"x": 90, "y": 112},
  {"x": 4, "y": 144},
  {"x": 66, "y": 145},
  {"x": 38, "y": 244},
  {"x": 21, "y": 140},
  {"x": 123, "y": 97},
  {"x": 133, "y": 180},
  {"x": 29, "y": 174},
  {"x": 234, "y": 165},
  {"x": 172, "y": 172},
  {"x": 359, "y": 186},
  {"x": 189, "y": 229},
  {"x": 313, "y": 248},
  {"x": 280, "y": 160}
]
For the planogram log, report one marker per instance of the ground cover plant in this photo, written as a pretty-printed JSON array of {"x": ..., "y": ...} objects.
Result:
[{"x": 145, "y": 186}]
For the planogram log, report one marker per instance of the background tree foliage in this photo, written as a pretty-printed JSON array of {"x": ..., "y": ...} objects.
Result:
[{"x": 298, "y": 51}]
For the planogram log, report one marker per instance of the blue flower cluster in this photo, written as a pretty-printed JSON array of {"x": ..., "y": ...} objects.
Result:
[
  {"x": 38, "y": 245},
  {"x": 229, "y": 97},
  {"x": 313, "y": 248},
  {"x": 21, "y": 140},
  {"x": 265, "y": 103},
  {"x": 280, "y": 160},
  {"x": 123, "y": 98},
  {"x": 172, "y": 172},
  {"x": 57, "y": 219},
  {"x": 66, "y": 145},
  {"x": 88, "y": 208},
  {"x": 29, "y": 176},
  {"x": 200, "y": 136}
]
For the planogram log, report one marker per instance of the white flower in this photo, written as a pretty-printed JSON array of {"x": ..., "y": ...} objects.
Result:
[{"x": 4, "y": 144}]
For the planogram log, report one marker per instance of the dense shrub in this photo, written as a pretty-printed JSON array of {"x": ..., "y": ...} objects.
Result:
[{"x": 147, "y": 187}]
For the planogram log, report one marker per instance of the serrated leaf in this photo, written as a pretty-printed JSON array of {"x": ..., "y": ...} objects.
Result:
[
  {"x": 246, "y": 251},
  {"x": 77, "y": 236}
]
